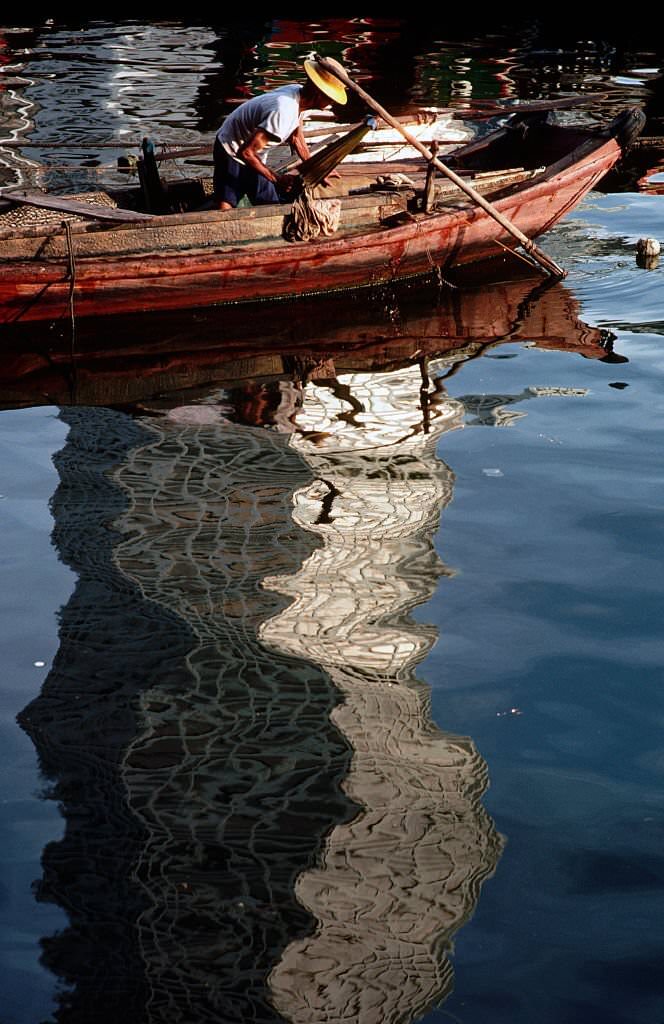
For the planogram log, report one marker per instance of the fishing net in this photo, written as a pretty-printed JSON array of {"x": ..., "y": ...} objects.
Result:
[
  {"x": 316, "y": 169},
  {"x": 311, "y": 217}
]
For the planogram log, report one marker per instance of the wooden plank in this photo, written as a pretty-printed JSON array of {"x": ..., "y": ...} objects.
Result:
[
  {"x": 649, "y": 142},
  {"x": 190, "y": 233},
  {"x": 94, "y": 210},
  {"x": 205, "y": 218},
  {"x": 429, "y": 184},
  {"x": 490, "y": 181}
]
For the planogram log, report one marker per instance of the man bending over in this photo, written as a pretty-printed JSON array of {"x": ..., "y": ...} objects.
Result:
[{"x": 273, "y": 117}]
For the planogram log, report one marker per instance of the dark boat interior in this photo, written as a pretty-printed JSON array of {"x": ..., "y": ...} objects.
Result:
[{"x": 523, "y": 142}]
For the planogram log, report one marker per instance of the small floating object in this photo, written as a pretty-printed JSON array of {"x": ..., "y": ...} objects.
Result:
[
  {"x": 492, "y": 472},
  {"x": 648, "y": 246},
  {"x": 196, "y": 415},
  {"x": 647, "y": 253}
]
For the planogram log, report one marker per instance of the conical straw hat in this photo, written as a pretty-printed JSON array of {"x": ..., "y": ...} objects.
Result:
[{"x": 325, "y": 81}]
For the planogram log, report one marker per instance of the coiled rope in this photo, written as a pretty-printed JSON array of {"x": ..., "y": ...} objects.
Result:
[{"x": 311, "y": 217}]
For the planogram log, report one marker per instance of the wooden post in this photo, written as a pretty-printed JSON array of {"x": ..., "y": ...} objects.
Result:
[
  {"x": 152, "y": 187},
  {"x": 427, "y": 203}
]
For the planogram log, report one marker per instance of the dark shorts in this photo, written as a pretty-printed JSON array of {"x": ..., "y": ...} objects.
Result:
[{"x": 233, "y": 180}]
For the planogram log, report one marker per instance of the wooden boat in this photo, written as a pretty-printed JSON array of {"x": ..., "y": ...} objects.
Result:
[
  {"x": 116, "y": 258},
  {"x": 384, "y": 143}
]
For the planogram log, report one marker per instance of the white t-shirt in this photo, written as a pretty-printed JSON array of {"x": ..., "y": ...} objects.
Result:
[{"x": 276, "y": 112}]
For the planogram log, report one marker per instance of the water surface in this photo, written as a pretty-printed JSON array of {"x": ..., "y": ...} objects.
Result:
[{"x": 337, "y": 673}]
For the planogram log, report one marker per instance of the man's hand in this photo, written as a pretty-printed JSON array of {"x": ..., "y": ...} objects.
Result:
[{"x": 287, "y": 183}]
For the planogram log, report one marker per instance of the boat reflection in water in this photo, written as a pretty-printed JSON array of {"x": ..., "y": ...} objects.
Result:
[
  {"x": 262, "y": 820},
  {"x": 117, "y": 361}
]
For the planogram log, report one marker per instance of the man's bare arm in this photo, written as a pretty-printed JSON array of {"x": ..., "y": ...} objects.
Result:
[
  {"x": 298, "y": 144},
  {"x": 250, "y": 151}
]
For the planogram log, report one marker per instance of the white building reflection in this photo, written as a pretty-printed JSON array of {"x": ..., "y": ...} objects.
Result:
[
  {"x": 262, "y": 822},
  {"x": 400, "y": 879}
]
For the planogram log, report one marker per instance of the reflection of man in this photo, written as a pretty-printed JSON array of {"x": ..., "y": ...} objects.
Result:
[{"x": 273, "y": 117}]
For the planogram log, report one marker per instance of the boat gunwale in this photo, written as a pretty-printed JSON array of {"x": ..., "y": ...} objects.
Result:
[{"x": 282, "y": 250}]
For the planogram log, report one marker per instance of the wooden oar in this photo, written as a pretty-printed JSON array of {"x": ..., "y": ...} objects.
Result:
[
  {"x": 540, "y": 257},
  {"x": 83, "y": 209},
  {"x": 483, "y": 109}
]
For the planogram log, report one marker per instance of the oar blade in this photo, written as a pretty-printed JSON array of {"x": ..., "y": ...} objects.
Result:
[{"x": 314, "y": 170}]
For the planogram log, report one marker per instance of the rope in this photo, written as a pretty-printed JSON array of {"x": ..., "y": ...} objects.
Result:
[
  {"x": 311, "y": 217},
  {"x": 72, "y": 286},
  {"x": 513, "y": 252},
  {"x": 442, "y": 281}
]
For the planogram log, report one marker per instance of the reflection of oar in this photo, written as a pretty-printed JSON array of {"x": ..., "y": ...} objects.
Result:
[{"x": 544, "y": 261}]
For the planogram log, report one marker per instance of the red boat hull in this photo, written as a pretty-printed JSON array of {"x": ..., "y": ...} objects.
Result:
[{"x": 32, "y": 290}]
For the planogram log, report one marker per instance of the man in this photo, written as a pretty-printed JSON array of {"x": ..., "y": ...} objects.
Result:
[{"x": 273, "y": 117}]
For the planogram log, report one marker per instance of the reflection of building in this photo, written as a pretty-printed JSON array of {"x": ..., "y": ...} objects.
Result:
[
  {"x": 236, "y": 775},
  {"x": 399, "y": 879},
  {"x": 490, "y": 410},
  {"x": 192, "y": 724},
  {"x": 111, "y": 642},
  {"x": 197, "y": 771}
]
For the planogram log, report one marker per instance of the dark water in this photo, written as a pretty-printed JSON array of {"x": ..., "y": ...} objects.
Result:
[{"x": 333, "y": 688}]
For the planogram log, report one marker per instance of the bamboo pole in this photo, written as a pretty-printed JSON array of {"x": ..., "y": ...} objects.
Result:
[{"x": 333, "y": 66}]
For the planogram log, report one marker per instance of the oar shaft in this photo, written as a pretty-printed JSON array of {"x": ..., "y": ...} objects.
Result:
[{"x": 548, "y": 264}]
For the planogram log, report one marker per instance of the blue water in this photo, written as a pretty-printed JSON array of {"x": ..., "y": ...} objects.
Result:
[
  {"x": 35, "y": 585},
  {"x": 141, "y": 573},
  {"x": 551, "y": 653}
]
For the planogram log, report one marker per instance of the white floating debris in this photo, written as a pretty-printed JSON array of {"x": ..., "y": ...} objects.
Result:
[
  {"x": 624, "y": 80},
  {"x": 647, "y": 253},
  {"x": 553, "y": 392},
  {"x": 648, "y": 246},
  {"x": 39, "y": 664},
  {"x": 492, "y": 472}
]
